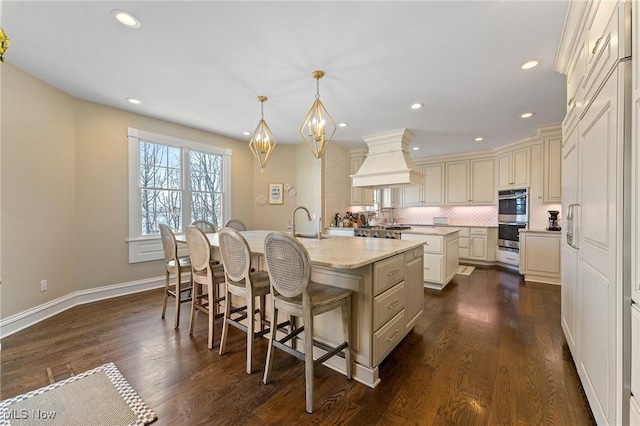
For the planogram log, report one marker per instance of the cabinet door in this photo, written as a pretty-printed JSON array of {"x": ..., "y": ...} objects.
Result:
[
  {"x": 390, "y": 197},
  {"x": 478, "y": 247},
  {"x": 457, "y": 183},
  {"x": 483, "y": 187},
  {"x": 569, "y": 258},
  {"x": 434, "y": 184},
  {"x": 504, "y": 171},
  {"x": 413, "y": 195},
  {"x": 356, "y": 193},
  {"x": 360, "y": 196},
  {"x": 552, "y": 189},
  {"x": 521, "y": 166},
  {"x": 600, "y": 148}
]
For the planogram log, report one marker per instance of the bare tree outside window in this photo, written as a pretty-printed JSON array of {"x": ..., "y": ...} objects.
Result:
[
  {"x": 206, "y": 187},
  {"x": 162, "y": 190}
]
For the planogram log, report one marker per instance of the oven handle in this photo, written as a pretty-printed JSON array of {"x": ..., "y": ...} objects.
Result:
[
  {"x": 511, "y": 197},
  {"x": 514, "y": 223}
]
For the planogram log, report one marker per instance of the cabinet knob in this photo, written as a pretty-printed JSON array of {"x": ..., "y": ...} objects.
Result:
[{"x": 570, "y": 103}]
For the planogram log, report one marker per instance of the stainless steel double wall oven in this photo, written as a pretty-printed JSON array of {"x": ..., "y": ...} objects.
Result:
[{"x": 513, "y": 215}]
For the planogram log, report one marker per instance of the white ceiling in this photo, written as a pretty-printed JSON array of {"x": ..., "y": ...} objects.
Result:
[{"x": 202, "y": 64}]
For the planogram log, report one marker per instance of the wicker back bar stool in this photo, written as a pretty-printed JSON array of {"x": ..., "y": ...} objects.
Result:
[
  {"x": 174, "y": 265},
  {"x": 206, "y": 275},
  {"x": 293, "y": 292}
]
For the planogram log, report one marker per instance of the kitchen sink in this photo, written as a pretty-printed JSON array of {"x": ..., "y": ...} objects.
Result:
[{"x": 310, "y": 235}]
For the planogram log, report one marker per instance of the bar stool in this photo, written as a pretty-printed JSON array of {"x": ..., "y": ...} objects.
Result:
[
  {"x": 242, "y": 281},
  {"x": 236, "y": 224},
  {"x": 206, "y": 274},
  {"x": 293, "y": 292},
  {"x": 175, "y": 266}
]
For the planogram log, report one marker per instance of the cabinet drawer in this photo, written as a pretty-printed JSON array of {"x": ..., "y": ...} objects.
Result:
[
  {"x": 432, "y": 244},
  {"x": 388, "y": 304},
  {"x": 387, "y": 273},
  {"x": 464, "y": 232},
  {"x": 602, "y": 47},
  {"x": 433, "y": 266},
  {"x": 478, "y": 231},
  {"x": 508, "y": 257},
  {"x": 463, "y": 243},
  {"x": 389, "y": 335},
  {"x": 463, "y": 253}
]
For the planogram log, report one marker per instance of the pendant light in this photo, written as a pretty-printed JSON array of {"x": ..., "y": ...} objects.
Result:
[
  {"x": 262, "y": 142},
  {"x": 318, "y": 128}
]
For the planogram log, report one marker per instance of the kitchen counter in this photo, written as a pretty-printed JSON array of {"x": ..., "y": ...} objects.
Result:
[
  {"x": 539, "y": 231},
  {"x": 432, "y": 231},
  {"x": 386, "y": 279}
]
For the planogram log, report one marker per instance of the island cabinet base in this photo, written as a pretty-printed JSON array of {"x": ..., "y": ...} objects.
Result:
[{"x": 388, "y": 299}]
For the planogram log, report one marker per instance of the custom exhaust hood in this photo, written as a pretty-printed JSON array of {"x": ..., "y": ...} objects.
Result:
[{"x": 388, "y": 163}]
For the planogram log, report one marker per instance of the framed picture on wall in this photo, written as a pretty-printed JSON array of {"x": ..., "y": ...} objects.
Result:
[{"x": 275, "y": 193}]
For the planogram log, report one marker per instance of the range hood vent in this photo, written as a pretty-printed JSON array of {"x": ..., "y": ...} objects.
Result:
[{"x": 388, "y": 163}]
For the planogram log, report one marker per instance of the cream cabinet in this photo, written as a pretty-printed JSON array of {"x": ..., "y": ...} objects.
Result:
[
  {"x": 429, "y": 194},
  {"x": 552, "y": 175},
  {"x": 441, "y": 257},
  {"x": 398, "y": 300},
  {"x": 470, "y": 182},
  {"x": 540, "y": 256},
  {"x": 360, "y": 196},
  {"x": 514, "y": 169},
  {"x": 390, "y": 197},
  {"x": 595, "y": 181},
  {"x": 478, "y": 244}
]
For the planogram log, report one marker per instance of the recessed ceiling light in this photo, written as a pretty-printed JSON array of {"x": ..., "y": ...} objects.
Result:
[
  {"x": 246, "y": 133},
  {"x": 133, "y": 101},
  {"x": 126, "y": 19},
  {"x": 417, "y": 106},
  {"x": 416, "y": 148},
  {"x": 343, "y": 124},
  {"x": 530, "y": 64},
  {"x": 478, "y": 139},
  {"x": 526, "y": 115}
]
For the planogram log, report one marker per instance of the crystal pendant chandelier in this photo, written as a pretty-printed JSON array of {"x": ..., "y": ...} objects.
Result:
[
  {"x": 318, "y": 128},
  {"x": 262, "y": 142}
]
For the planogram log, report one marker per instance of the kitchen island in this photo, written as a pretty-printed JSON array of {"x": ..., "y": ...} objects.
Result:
[{"x": 386, "y": 277}]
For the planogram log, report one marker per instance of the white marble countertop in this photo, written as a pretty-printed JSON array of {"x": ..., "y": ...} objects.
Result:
[
  {"x": 432, "y": 231},
  {"x": 539, "y": 231},
  {"x": 332, "y": 251},
  {"x": 454, "y": 225}
]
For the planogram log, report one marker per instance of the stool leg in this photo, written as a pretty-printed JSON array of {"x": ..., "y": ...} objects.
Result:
[
  {"x": 308, "y": 357},
  {"x": 250, "y": 329},
  {"x": 166, "y": 292},
  {"x": 213, "y": 296},
  {"x": 225, "y": 326},
  {"x": 194, "y": 299},
  {"x": 178, "y": 290},
  {"x": 272, "y": 336},
  {"x": 346, "y": 327}
]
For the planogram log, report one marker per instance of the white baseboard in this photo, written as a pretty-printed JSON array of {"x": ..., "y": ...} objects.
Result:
[{"x": 22, "y": 320}]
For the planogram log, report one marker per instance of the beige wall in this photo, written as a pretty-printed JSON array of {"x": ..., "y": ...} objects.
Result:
[
  {"x": 65, "y": 193},
  {"x": 38, "y": 190},
  {"x": 308, "y": 182}
]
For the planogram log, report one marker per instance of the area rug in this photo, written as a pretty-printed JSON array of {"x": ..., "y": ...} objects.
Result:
[
  {"x": 101, "y": 396},
  {"x": 465, "y": 270}
]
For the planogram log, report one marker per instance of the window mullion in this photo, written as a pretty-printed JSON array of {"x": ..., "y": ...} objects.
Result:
[{"x": 186, "y": 188}]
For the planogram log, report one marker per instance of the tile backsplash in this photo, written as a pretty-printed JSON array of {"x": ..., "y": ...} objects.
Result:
[{"x": 460, "y": 215}]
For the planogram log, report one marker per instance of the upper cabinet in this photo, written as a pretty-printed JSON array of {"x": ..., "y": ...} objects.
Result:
[
  {"x": 470, "y": 182},
  {"x": 552, "y": 175},
  {"x": 359, "y": 196},
  {"x": 514, "y": 169},
  {"x": 429, "y": 194}
]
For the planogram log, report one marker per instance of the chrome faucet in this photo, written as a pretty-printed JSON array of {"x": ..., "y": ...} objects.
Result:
[{"x": 293, "y": 218}]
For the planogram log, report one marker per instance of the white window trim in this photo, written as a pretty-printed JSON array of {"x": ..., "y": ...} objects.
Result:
[{"x": 147, "y": 248}]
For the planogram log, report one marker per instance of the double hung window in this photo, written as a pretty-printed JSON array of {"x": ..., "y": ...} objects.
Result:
[{"x": 173, "y": 182}]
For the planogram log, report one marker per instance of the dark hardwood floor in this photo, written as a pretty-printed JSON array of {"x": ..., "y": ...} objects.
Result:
[{"x": 488, "y": 350}]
